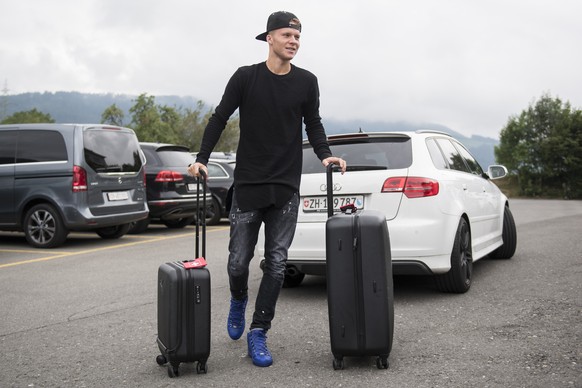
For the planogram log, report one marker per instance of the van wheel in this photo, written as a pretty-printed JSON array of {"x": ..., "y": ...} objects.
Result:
[
  {"x": 113, "y": 232},
  {"x": 459, "y": 277},
  {"x": 43, "y": 227}
]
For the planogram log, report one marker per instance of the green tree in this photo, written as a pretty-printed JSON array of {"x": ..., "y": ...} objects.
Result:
[
  {"x": 113, "y": 115},
  {"x": 28, "y": 117},
  {"x": 185, "y": 126},
  {"x": 194, "y": 123},
  {"x": 542, "y": 146}
]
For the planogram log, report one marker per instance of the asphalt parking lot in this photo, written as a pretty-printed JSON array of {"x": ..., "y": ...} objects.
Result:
[{"x": 84, "y": 315}]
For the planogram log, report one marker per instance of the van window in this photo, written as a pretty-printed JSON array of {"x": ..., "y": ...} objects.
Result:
[
  {"x": 7, "y": 147},
  {"x": 40, "y": 146},
  {"x": 108, "y": 150}
]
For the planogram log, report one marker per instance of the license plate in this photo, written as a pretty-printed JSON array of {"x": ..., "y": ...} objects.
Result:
[
  {"x": 319, "y": 204},
  {"x": 192, "y": 187},
  {"x": 117, "y": 195}
]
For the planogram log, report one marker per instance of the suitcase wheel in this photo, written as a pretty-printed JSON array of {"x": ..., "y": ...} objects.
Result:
[
  {"x": 201, "y": 367},
  {"x": 161, "y": 359},
  {"x": 173, "y": 370},
  {"x": 338, "y": 363},
  {"x": 382, "y": 362}
]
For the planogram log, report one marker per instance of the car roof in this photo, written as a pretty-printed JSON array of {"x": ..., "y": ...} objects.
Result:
[{"x": 67, "y": 126}]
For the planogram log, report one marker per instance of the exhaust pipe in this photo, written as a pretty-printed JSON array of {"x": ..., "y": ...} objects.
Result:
[{"x": 291, "y": 271}]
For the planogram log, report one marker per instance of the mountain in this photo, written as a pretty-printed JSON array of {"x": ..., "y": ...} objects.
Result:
[{"x": 75, "y": 107}]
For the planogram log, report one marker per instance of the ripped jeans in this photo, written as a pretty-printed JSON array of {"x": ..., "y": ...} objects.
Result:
[{"x": 280, "y": 226}]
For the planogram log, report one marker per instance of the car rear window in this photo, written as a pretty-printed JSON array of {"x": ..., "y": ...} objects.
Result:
[
  {"x": 112, "y": 150},
  {"x": 364, "y": 154},
  {"x": 176, "y": 158}
]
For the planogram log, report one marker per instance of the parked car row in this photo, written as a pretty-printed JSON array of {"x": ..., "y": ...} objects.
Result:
[
  {"x": 58, "y": 178},
  {"x": 442, "y": 209}
]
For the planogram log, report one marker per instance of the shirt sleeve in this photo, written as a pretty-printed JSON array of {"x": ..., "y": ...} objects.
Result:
[
  {"x": 217, "y": 122},
  {"x": 313, "y": 126}
]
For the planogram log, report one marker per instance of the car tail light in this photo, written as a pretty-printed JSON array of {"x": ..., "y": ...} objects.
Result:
[
  {"x": 169, "y": 176},
  {"x": 79, "y": 179},
  {"x": 412, "y": 186}
]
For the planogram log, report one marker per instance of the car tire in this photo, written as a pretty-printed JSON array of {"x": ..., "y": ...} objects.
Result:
[
  {"x": 139, "y": 226},
  {"x": 509, "y": 235},
  {"x": 113, "y": 232},
  {"x": 213, "y": 213},
  {"x": 43, "y": 227},
  {"x": 178, "y": 223},
  {"x": 458, "y": 279}
]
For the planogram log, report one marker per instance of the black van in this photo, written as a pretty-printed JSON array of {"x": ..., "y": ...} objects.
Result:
[{"x": 56, "y": 178}]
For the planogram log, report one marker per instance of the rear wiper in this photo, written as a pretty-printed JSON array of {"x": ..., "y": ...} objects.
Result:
[{"x": 115, "y": 168}]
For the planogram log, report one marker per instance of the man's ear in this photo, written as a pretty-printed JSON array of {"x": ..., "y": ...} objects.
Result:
[{"x": 269, "y": 39}]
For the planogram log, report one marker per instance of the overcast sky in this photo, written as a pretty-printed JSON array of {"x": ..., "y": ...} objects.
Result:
[{"x": 468, "y": 65}]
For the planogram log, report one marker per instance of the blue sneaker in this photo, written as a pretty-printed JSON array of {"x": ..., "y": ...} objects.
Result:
[
  {"x": 236, "y": 318},
  {"x": 257, "y": 340}
]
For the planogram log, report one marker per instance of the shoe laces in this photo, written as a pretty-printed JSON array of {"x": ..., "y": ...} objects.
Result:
[
  {"x": 236, "y": 315},
  {"x": 259, "y": 342}
]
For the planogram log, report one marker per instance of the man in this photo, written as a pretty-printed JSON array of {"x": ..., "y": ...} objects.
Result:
[{"x": 273, "y": 98}]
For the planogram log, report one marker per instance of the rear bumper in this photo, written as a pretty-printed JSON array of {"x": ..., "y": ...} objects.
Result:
[
  {"x": 167, "y": 209},
  {"x": 83, "y": 219},
  {"x": 419, "y": 246}
]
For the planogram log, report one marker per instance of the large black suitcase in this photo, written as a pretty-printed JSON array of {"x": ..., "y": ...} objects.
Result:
[
  {"x": 360, "y": 289},
  {"x": 184, "y": 306}
]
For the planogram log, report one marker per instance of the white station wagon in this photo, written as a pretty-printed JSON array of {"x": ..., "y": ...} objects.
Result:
[{"x": 443, "y": 211}]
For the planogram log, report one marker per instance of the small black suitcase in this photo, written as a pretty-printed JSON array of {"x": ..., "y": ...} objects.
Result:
[
  {"x": 184, "y": 306},
  {"x": 360, "y": 290}
]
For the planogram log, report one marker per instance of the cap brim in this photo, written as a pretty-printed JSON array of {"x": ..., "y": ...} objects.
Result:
[{"x": 262, "y": 36}]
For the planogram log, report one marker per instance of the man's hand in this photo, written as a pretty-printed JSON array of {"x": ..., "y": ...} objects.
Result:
[
  {"x": 194, "y": 169},
  {"x": 337, "y": 161}
]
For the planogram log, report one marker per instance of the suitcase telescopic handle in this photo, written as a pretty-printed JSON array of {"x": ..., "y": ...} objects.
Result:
[
  {"x": 201, "y": 213},
  {"x": 329, "y": 174}
]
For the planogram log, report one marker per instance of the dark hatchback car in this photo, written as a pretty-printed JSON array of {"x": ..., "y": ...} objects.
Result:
[
  {"x": 220, "y": 178},
  {"x": 171, "y": 192}
]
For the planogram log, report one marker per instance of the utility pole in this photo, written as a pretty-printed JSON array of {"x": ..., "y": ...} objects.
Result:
[{"x": 4, "y": 103}]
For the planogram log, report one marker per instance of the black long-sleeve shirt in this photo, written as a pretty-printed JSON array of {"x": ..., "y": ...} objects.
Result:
[{"x": 271, "y": 109}]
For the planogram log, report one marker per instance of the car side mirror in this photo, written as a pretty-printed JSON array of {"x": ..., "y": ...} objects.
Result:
[{"x": 496, "y": 171}]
